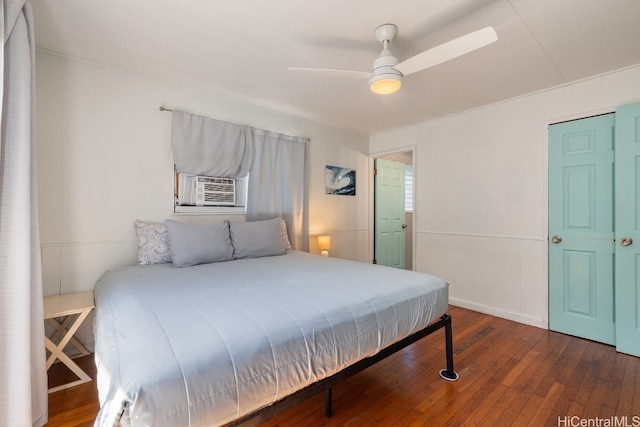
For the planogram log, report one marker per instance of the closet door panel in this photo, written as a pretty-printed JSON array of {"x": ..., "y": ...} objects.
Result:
[
  {"x": 581, "y": 232},
  {"x": 627, "y": 220}
]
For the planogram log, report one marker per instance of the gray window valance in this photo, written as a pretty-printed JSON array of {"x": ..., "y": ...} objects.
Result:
[{"x": 204, "y": 146}]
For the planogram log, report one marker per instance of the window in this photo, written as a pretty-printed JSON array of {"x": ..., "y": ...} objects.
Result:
[{"x": 408, "y": 188}]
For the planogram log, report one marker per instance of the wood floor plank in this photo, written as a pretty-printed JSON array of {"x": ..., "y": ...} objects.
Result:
[
  {"x": 615, "y": 376},
  {"x": 575, "y": 410},
  {"x": 521, "y": 367},
  {"x": 545, "y": 409},
  {"x": 485, "y": 408},
  {"x": 600, "y": 371},
  {"x": 528, "y": 411},
  {"x": 516, "y": 407},
  {"x": 636, "y": 397},
  {"x": 510, "y": 374}
]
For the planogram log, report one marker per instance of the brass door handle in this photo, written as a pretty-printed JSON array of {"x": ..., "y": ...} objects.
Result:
[{"x": 556, "y": 239}]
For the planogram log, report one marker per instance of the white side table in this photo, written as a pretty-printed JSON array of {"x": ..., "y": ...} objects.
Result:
[{"x": 74, "y": 308}]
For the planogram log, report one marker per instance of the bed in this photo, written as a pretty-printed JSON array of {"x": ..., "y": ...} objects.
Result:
[{"x": 227, "y": 342}]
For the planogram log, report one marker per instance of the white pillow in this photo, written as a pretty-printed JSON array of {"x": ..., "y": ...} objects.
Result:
[
  {"x": 198, "y": 244},
  {"x": 286, "y": 244},
  {"x": 255, "y": 239},
  {"x": 153, "y": 243}
]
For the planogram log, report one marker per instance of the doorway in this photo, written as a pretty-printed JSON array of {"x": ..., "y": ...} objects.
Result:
[{"x": 382, "y": 198}]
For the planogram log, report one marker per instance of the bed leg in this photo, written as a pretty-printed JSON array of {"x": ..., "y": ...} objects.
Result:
[
  {"x": 328, "y": 412},
  {"x": 448, "y": 374}
]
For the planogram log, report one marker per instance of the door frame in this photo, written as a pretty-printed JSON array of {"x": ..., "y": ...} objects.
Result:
[{"x": 372, "y": 156}]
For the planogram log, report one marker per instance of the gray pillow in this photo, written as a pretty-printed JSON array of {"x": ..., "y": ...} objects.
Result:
[
  {"x": 255, "y": 239},
  {"x": 153, "y": 243},
  {"x": 198, "y": 244}
]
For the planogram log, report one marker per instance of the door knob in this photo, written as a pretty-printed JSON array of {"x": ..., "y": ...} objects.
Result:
[
  {"x": 626, "y": 241},
  {"x": 404, "y": 226},
  {"x": 556, "y": 239}
]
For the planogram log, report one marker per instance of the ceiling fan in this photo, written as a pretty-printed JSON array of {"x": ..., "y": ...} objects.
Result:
[{"x": 387, "y": 71}]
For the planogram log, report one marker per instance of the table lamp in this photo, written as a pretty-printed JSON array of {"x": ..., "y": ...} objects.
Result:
[{"x": 324, "y": 244}]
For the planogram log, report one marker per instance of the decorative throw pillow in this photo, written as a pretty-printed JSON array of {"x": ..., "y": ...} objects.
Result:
[
  {"x": 198, "y": 244},
  {"x": 255, "y": 239},
  {"x": 286, "y": 244},
  {"x": 153, "y": 243}
]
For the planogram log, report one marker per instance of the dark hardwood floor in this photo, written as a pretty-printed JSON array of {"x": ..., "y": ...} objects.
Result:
[
  {"x": 510, "y": 375},
  {"x": 75, "y": 406}
]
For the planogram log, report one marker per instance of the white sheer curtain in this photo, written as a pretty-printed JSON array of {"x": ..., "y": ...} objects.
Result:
[
  {"x": 278, "y": 183},
  {"x": 23, "y": 375}
]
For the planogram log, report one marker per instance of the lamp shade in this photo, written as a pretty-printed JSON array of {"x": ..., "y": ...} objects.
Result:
[{"x": 324, "y": 243}]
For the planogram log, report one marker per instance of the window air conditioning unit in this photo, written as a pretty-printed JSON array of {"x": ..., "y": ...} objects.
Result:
[{"x": 206, "y": 190}]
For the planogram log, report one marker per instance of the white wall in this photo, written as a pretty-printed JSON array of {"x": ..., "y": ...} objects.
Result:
[
  {"x": 480, "y": 177},
  {"x": 104, "y": 160},
  {"x": 481, "y": 193}
]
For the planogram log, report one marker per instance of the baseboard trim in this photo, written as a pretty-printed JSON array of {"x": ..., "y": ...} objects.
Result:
[{"x": 538, "y": 323}]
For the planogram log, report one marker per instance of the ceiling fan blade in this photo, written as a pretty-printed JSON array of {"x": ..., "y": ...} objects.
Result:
[
  {"x": 447, "y": 51},
  {"x": 334, "y": 73}
]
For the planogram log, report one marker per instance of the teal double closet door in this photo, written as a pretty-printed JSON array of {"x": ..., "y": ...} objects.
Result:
[{"x": 594, "y": 228}]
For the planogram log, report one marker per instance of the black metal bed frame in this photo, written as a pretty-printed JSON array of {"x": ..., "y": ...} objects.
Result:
[{"x": 288, "y": 402}]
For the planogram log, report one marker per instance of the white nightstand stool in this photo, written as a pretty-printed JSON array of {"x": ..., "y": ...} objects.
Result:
[{"x": 72, "y": 306}]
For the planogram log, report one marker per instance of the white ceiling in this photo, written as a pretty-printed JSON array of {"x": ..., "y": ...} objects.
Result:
[{"x": 241, "y": 49}]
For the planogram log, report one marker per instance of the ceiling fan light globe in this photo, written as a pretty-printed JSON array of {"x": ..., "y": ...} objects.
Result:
[{"x": 385, "y": 84}]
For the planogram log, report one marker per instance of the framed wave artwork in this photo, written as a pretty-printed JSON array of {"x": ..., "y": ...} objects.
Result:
[{"x": 340, "y": 181}]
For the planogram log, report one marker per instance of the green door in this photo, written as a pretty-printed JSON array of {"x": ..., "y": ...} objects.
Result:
[
  {"x": 627, "y": 219},
  {"x": 581, "y": 228},
  {"x": 389, "y": 213}
]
